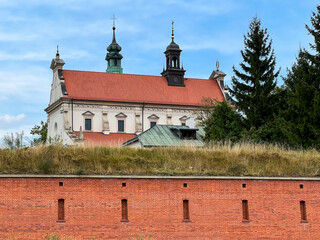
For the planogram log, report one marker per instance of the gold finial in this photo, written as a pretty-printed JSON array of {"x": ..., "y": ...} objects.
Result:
[
  {"x": 217, "y": 65},
  {"x": 172, "y": 36}
]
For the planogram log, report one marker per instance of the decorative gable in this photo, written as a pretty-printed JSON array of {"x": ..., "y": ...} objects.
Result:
[
  {"x": 153, "y": 117},
  {"x": 121, "y": 115},
  {"x": 88, "y": 113}
]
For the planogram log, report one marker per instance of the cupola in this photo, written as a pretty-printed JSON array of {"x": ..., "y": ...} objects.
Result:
[
  {"x": 172, "y": 71},
  {"x": 113, "y": 56}
]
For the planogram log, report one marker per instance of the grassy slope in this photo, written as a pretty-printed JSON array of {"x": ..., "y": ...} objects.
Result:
[{"x": 218, "y": 160}]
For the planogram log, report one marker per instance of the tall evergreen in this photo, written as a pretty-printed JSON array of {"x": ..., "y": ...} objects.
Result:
[
  {"x": 303, "y": 92},
  {"x": 253, "y": 88}
]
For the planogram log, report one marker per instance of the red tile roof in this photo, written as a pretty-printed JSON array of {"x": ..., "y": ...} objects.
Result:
[
  {"x": 138, "y": 88},
  {"x": 100, "y": 139}
]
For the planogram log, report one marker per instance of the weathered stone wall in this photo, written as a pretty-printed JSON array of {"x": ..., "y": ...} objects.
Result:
[{"x": 29, "y": 208}]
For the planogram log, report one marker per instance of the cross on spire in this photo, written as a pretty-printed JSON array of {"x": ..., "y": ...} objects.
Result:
[{"x": 114, "y": 21}]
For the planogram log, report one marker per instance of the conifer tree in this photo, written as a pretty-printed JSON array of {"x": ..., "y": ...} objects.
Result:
[
  {"x": 253, "y": 88},
  {"x": 303, "y": 92}
]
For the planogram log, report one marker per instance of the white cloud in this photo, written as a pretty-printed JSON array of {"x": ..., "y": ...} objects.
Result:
[
  {"x": 32, "y": 84},
  {"x": 9, "y": 119}
]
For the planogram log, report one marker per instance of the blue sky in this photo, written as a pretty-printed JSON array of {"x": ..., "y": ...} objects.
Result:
[{"x": 206, "y": 31}]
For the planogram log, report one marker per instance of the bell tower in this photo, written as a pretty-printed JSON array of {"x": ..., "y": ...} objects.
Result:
[
  {"x": 173, "y": 72},
  {"x": 113, "y": 56}
]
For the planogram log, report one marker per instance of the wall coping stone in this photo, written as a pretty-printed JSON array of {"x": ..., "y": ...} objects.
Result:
[{"x": 162, "y": 177}]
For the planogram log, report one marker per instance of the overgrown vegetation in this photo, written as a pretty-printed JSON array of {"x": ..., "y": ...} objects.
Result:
[{"x": 225, "y": 159}]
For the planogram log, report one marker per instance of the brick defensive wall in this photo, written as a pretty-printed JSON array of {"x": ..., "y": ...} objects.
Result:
[{"x": 115, "y": 207}]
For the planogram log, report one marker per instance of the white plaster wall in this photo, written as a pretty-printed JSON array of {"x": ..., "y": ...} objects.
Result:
[
  {"x": 56, "y": 92},
  {"x": 57, "y": 117},
  {"x": 97, "y": 119},
  {"x": 136, "y": 144},
  {"x": 130, "y": 120}
]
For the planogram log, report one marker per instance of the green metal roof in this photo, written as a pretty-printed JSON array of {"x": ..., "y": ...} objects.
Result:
[{"x": 167, "y": 136}]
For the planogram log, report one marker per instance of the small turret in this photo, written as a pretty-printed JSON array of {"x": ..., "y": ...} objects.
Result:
[{"x": 57, "y": 63}]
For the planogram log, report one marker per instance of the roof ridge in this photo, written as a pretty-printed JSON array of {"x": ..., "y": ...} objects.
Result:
[{"x": 135, "y": 74}]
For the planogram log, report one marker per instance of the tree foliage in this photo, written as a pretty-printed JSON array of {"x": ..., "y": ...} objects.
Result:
[
  {"x": 41, "y": 132},
  {"x": 253, "y": 88},
  {"x": 13, "y": 141},
  {"x": 303, "y": 92},
  {"x": 223, "y": 123}
]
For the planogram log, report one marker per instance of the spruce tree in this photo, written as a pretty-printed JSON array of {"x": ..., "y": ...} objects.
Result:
[
  {"x": 253, "y": 88},
  {"x": 303, "y": 92}
]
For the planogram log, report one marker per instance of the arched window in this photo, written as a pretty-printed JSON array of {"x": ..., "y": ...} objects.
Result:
[
  {"x": 115, "y": 62},
  {"x": 174, "y": 62},
  {"x": 55, "y": 128}
]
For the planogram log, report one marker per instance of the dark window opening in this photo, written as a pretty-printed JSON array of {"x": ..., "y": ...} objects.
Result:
[
  {"x": 186, "y": 215},
  {"x": 152, "y": 124},
  {"x": 187, "y": 134},
  {"x": 124, "y": 210},
  {"x": 301, "y": 186},
  {"x": 61, "y": 210},
  {"x": 185, "y": 185},
  {"x": 303, "y": 211},
  {"x": 87, "y": 124},
  {"x": 120, "y": 125},
  {"x": 183, "y": 124},
  {"x": 115, "y": 62},
  {"x": 60, "y": 184},
  {"x": 245, "y": 210},
  {"x": 244, "y": 185},
  {"x": 124, "y": 184},
  {"x": 174, "y": 62}
]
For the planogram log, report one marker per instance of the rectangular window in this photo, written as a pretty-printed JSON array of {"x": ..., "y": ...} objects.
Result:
[
  {"x": 186, "y": 216},
  {"x": 303, "y": 211},
  {"x": 120, "y": 125},
  {"x": 152, "y": 124},
  {"x": 124, "y": 210},
  {"x": 61, "y": 210},
  {"x": 245, "y": 210},
  {"x": 183, "y": 124},
  {"x": 88, "y": 124}
]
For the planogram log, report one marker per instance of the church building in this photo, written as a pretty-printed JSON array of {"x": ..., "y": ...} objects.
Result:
[{"x": 109, "y": 108}]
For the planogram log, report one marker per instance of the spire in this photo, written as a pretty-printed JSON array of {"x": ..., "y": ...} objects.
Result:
[
  {"x": 217, "y": 65},
  {"x": 172, "y": 35},
  {"x": 114, "y": 30},
  {"x": 113, "y": 56},
  {"x": 57, "y": 54}
]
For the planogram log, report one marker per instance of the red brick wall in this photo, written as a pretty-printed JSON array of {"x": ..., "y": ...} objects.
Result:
[{"x": 29, "y": 208}]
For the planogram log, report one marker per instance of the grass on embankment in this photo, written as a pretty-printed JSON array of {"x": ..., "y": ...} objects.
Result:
[{"x": 218, "y": 160}]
